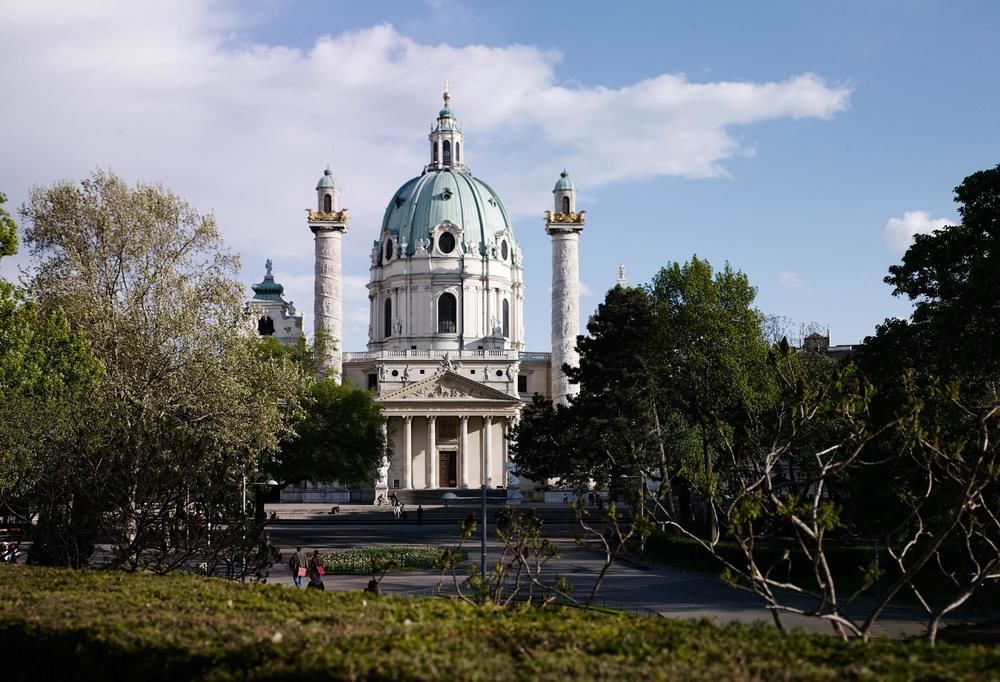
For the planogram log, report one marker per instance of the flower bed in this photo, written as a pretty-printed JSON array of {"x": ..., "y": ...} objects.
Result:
[{"x": 369, "y": 560}]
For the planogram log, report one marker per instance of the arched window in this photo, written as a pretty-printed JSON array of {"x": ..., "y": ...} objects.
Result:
[
  {"x": 327, "y": 203},
  {"x": 387, "y": 322},
  {"x": 565, "y": 204},
  {"x": 434, "y": 152},
  {"x": 446, "y": 152},
  {"x": 447, "y": 314},
  {"x": 458, "y": 156},
  {"x": 265, "y": 326},
  {"x": 506, "y": 319}
]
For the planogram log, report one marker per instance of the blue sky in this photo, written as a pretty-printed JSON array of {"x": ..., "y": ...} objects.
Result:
[{"x": 801, "y": 141}]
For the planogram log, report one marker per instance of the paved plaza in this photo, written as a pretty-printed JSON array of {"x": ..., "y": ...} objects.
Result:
[{"x": 669, "y": 591}]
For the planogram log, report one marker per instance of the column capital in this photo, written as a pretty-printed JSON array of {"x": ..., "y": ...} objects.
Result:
[
  {"x": 407, "y": 418},
  {"x": 464, "y": 418},
  {"x": 432, "y": 418},
  {"x": 488, "y": 418}
]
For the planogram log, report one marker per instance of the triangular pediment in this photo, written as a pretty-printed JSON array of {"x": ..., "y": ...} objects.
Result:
[{"x": 447, "y": 386}]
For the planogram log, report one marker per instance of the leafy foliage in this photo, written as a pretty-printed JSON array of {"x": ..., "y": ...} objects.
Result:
[
  {"x": 952, "y": 276},
  {"x": 186, "y": 407},
  {"x": 338, "y": 438},
  {"x": 47, "y": 373}
]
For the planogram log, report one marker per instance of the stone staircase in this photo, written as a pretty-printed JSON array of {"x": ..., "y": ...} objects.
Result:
[{"x": 467, "y": 497}]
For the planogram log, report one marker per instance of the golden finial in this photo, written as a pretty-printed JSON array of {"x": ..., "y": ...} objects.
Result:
[{"x": 447, "y": 97}]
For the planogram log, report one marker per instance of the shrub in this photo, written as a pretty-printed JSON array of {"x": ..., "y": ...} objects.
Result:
[{"x": 112, "y": 626}]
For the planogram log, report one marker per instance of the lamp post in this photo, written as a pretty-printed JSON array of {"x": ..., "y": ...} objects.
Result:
[
  {"x": 482, "y": 562},
  {"x": 269, "y": 482}
]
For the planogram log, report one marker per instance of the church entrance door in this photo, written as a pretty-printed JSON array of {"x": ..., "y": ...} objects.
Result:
[{"x": 448, "y": 469}]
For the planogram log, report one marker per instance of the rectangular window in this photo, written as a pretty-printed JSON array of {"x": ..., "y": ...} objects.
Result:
[
  {"x": 522, "y": 383},
  {"x": 372, "y": 382}
]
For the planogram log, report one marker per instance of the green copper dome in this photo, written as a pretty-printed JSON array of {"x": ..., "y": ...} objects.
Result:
[
  {"x": 564, "y": 184},
  {"x": 326, "y": 181},
  {"x": 446, "y": 194},
  {"x": 268, "y": 290}
]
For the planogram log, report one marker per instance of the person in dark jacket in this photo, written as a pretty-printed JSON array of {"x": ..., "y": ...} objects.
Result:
[
  {"x": 315, "y": 571},
  {"x": 298, "y": 560}
]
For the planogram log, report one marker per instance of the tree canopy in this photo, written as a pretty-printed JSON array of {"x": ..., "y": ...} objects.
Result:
[
  {"x": 187, "y": 408},
  {"x": 952, "y": 276},
  {"x": 659, "y": 366}
]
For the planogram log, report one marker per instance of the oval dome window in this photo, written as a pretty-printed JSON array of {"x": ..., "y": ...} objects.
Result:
[
  {"x": 446, "y": 242},
  {"x": 503, "y": 250}
]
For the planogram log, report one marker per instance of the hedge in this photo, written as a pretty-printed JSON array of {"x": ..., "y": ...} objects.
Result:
[{"x": 111, "y": 626}]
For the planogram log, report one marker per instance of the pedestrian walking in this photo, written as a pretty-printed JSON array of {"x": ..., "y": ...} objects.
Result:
[
  {"x": 420, "y": 515},
  {"x": 315, "y": 571},
  {"x": 298, "y": 565}
]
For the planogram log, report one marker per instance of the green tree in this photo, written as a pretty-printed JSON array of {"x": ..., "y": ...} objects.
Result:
[
  {"x": 714, "y": 367},
  {"x": 339, "y": 438},
  {"x": 609, "y": 430},
  {"x": 952, "y": 276},
  {"x": 187, "y": 408},
  {"x": 660, "y": 367},
  {"x": 46, "y": 372}
]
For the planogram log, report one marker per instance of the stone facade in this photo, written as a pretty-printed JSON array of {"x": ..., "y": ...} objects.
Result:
[{"x": 446, "y": 355}]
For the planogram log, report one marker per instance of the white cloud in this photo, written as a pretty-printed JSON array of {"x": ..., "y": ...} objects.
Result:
[
  {"x": 899, "y": 231},
  {"x": 169, "y": 92},
  {"x": 792, "y": 280}
]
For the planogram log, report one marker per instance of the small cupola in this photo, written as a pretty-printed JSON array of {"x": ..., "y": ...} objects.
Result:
[
  {"x": 447, "y": 140},
  {"x": 268, "y": 290},
  {"x": 564, "y": 194},
  {"x": 327, "y": 193}
]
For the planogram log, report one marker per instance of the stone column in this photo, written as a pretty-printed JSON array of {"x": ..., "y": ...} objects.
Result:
[
  {"x": 513, "y": 484},
  {"x": 463, "y": 447},
  {"x": 432, "y": 457},
  {"x": 487, "y": 448},
  {"x": 407, "y": 452},
  {"x": 329, "y": 229},
  {"x": 565, "y": 305}
]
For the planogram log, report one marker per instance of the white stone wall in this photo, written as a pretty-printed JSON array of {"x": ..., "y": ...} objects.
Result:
[
  {"x": 479, "y": 283},
  {"x": 565, "y": 308},
  {"x": 287, "y": 325},
  {"x": 328, "y": 302}
]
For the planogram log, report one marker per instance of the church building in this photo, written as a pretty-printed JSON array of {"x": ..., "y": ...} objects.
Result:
[{"x": 446, "y": 356}]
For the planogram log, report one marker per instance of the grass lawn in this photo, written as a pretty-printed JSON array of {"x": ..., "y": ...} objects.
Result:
[{"x": 110, "y": 626}]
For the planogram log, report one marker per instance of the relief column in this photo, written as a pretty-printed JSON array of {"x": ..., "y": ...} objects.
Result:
[
  {"x": 328, "y": 224},
  {"x": 564, "y": 226}
]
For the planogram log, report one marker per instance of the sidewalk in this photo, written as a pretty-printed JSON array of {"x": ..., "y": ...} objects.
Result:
[{"x": 351, "y": 514}]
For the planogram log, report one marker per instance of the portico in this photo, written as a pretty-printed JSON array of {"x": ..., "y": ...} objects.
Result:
[{"x": 448, "y": 432}]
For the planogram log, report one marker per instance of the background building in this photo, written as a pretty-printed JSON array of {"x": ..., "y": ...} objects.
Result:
[{"x": 274, "y": 315}]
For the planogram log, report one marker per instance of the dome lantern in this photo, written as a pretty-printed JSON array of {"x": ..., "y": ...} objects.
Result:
[
  {"x": 327, "y": 193},
  {"x": 564, "y": 194},
  {"x": 447, "y": 139}
]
